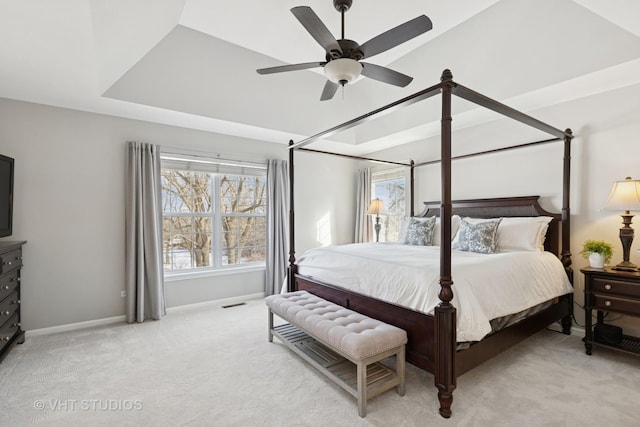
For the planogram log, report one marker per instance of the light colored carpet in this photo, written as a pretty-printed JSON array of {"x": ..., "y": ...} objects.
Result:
[{"x": 214, "y": 367}]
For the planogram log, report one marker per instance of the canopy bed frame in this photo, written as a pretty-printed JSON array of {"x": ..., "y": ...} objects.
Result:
[{"x": 432, "y": 338}]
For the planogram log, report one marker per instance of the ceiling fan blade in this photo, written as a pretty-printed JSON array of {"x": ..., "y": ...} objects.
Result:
[
  {"x": 396, "y": 36},
  {"x": 316, "y": 28},
  {"x": 385, "y": 75},
  {"x": 292, "y": 67},
  {"x": 330, "y": 89}
]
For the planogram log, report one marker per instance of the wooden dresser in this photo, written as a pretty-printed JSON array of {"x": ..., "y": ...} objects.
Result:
[
  {"x": 10, "y": 264},
  {"x": 611, "y": 291}
]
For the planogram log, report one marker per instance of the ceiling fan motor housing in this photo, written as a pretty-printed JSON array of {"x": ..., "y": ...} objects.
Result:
[{"x": 350, "y": 49}]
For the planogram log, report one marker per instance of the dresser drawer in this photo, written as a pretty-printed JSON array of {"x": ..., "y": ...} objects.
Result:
[
  {"x": 8, "y": 330},
  {"x": 10, "y": 261},
  {"x": 617, "y": 304},
  {"x": 8, "y": 307},
  {"x": 8, "y": 284},
  {"x": 615, "y": 287}
]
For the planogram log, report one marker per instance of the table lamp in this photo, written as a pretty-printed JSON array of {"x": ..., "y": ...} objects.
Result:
[
  {"x": 377, "y": 208},
  {"x": 625, "y": 196}
]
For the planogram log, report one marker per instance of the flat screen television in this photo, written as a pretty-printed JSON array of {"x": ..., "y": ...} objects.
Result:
[{"x": 6, "y": 196}]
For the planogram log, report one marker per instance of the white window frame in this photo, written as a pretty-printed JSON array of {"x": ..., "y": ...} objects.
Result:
[
  {"x": 217, "y": 168},
  {"x": 382, "y": 175}
]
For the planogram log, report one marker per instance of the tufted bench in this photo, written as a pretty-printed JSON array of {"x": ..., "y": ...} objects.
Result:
[{"x": 344, "y": 345}]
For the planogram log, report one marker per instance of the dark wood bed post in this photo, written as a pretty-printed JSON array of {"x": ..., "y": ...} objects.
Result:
[
  {"x": 566, "y": 213},
  {"x": 445, "y": 312},
  {"x": 565, "y": 255},
  {"x": 293, "y": 269},
  {"x": 412, "y": 165}
]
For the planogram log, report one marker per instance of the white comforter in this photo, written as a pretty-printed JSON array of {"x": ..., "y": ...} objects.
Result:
[{"x": 485, "y": 286}]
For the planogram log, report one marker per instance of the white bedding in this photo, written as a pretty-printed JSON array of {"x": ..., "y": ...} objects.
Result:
[{"x": 484, "y": 286}]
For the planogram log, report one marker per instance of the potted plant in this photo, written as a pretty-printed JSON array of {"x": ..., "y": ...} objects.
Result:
[{"x": 598, "y": 252}]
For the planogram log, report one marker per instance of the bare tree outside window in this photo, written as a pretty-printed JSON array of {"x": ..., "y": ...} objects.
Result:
[
  {"x": 243, "y": 232},
  {"x": 212, "y": 220}
]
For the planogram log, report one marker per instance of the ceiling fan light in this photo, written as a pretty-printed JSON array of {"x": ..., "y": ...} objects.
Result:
[{"x": 342, "y": 70}]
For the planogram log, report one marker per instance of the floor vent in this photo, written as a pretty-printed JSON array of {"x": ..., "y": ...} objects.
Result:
[{"x": 233, "y": 305}]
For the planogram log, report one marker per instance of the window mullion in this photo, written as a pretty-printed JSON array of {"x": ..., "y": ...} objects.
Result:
[{"x": 216, "y": 230}]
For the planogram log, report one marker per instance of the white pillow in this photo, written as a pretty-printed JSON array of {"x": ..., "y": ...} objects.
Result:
[
  {"x": 523, "y": 233},
  {"x": 455, "y": 225},
  {"x": 526, "y": 233}
]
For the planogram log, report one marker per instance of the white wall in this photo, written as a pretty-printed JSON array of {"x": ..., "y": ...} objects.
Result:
[
  {"x": 325, "y": 200},
  {"x": 606, "y": 149},
  {"x": 69, "y": 206}
]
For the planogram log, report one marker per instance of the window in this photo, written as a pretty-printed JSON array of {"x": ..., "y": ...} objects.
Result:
[
  {"x": 389, "y": 186},
  {"x": 213, "y": 215}
]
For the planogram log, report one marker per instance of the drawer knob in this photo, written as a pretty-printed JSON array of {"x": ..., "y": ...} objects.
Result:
[
  {"x": 5, "y": 288},
  {"x": 607, "y": 303},
  {"x": 8, "y": 262},
  {"x": 6, "y": 313},
  {"x": 5, "y": 339},
  {"x": 607, "y": 287}
]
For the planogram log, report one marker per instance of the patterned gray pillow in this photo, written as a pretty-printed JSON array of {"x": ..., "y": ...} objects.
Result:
[
  {"x": 480, "y": 237},
  {"x": 420, "y": 231}
]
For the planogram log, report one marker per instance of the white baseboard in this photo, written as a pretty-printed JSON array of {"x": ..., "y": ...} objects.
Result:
[
  {"x": 74, "y": 326},
  {"x": 119, "y": 319},
  {"x": 215, "y": 303}
]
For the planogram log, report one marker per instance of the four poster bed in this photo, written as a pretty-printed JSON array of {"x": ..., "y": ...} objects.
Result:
[{"x": 432, "y": 330}]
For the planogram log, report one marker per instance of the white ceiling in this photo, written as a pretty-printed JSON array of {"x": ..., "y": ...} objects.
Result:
[{"x": 192, "y": 63}]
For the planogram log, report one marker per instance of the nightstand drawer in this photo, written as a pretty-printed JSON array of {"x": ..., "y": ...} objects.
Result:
[
  {"x": 617, "y": 304},
  {"x": 615, "y": 287}
]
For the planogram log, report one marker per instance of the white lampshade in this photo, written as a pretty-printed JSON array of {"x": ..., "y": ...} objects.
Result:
[
  {"x": 625, "y": 196},
  {"x": 342, "y": 70},
  {"x": 377, "y": 208}
]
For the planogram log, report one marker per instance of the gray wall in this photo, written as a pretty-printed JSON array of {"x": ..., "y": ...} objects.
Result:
[{"x": 69, "y": 206}]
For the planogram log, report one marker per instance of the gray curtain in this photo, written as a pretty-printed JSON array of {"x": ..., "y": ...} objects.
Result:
[
  {"x": 277, "y": 225},
  {"x": 143, "y": 231},
  {"x": 363, "y": 199}
]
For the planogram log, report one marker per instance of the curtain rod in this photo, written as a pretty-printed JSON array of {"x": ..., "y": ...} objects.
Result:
[
  {"x": 209, "y": 158},
  {"x": 355, "y": 157},
  {"x": 495, "y": 150}
]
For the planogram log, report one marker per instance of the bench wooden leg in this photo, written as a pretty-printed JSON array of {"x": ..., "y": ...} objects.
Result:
[
  {"x": 270, "y": 326},
  {"x": 362, "y": 389},
  {"x": 400, "y": 370}
]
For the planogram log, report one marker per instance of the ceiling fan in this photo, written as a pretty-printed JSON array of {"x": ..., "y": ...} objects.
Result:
[{"x": 343, "y": 57}]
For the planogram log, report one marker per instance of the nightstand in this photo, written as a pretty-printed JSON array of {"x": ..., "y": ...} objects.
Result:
[{"x": 612, "y": 291}]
